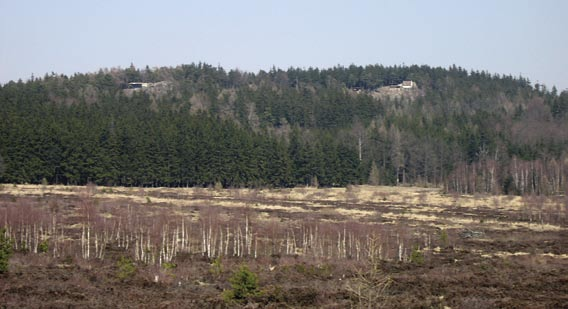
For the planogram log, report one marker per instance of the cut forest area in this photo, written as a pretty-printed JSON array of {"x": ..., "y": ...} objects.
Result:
[{"x": 359, "y": 246}]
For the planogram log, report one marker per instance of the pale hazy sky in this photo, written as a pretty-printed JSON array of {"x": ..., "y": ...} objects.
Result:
[{"x": 527, "y": 38}]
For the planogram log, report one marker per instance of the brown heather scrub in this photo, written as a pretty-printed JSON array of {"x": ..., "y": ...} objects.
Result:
[{"x": 335, "y": 248}]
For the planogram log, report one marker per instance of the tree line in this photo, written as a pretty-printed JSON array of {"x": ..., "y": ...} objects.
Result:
[{"x": 467, "y": 131}]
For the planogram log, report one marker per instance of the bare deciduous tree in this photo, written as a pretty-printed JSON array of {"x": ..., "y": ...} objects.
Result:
[{"x": 370, "y": 284}]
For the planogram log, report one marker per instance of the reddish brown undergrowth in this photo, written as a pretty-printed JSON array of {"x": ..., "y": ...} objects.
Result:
[{"x": 121, "y": 247}]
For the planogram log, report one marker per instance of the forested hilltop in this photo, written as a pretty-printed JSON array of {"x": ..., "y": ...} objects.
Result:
[{"x": 199, "y": 125}]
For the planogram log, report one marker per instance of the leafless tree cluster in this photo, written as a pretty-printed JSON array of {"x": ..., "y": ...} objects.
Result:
[
  {"x": 157, "y": 237},
  {"x": 540, "y": 209},
  {"x": 29, "y": 227},
  {"x": 541, "y": 177}
]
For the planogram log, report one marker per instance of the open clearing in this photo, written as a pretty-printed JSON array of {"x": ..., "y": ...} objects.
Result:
[{"x": 307, "y": 245}]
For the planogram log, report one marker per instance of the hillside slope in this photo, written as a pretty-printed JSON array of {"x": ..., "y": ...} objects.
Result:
[{"x": 199, "y": 125}]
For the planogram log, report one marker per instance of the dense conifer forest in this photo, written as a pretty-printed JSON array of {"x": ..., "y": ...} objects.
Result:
[{"x": 199, "y": 125}]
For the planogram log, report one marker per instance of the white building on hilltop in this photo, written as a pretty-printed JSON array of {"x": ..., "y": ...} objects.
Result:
[
  {"x": 138, "y": 85},
  {"x": 407, "y": 84}
]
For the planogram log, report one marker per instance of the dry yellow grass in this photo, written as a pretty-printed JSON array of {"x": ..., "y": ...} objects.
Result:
[
  {"x": 505, "y": 254},
  {"x": 422, "y": 205}
]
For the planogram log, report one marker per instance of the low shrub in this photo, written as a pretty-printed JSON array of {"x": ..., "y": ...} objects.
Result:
[
  {"x": 244, "y": 284},
  {"x": 444, "y": 238},
  {"x": 43, "y": 246},
  {"x": 5, "y": 251},
  {"x": 126, "y": 268},
  {"x": 216, "y": 267},
  {"x": 417, "y": 257}
]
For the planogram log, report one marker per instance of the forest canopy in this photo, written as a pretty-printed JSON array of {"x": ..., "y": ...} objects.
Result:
[{"x": 199, "y": 125}]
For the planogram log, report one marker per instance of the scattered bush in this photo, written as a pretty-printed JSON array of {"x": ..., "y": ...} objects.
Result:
[
  {"x": 5, "y": 251},
  {"x": 216, "y": 267},
  {"x": 244, "y": 284},
  {"x": 126, "y": 268},
  {"x": 24, "y": 248},
  {"x": 444, "y": 238},
  {"x": 417, "y": 257},
  {"x": 271, "y": 294},
  {"x": 322, "y": 271},
  {"x": 43, "y": 246}
]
